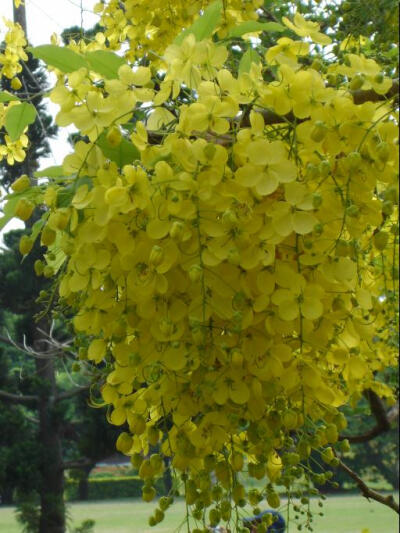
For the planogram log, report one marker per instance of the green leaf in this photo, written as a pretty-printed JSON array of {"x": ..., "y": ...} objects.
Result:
[
  {"x": 65, "y": 194},
  {"x": 7, "y": 97},
  {"x": 253, "y": 25},
  {"x": 17, "y": 118},
  {"x": 8, "y": 211},
  {"x": 205, "y": 25},
  {"x": 11, "y": 203},
  {"x": 50, "y": 172},
  {"x": 249, "y": 57},
  {"x": 38, "y": 225},
  {"x": 105, "y": 63},
  {"x": 60, "y": 57},
  {"x": 123, "y": 154}
]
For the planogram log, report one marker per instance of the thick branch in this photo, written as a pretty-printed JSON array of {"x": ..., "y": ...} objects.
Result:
[
  {"x": 18, "y": 398},
  {"x": 383, "y": 419},
  {"x": 71, "y": 393},
  {"x": 370, "y": 494},
  {"x": 359, "y": 97}
]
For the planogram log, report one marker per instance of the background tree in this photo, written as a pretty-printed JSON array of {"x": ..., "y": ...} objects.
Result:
[{"x": 34, "y": 397}]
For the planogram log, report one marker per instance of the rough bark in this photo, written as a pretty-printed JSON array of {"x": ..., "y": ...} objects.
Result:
[{"x": 52, "y": 508}]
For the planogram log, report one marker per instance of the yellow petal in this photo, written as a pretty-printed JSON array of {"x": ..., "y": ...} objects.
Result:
[{"x": 303, "y": 222}]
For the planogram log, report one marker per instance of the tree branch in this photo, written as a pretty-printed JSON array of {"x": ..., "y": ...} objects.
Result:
[
  {"x": 18, "y": 398},
  {"x": 71, "y": 393},
  {"x": 359, "y": 97},
  {"x": 393, "y": 413},
  {"x": 10, "y": 342},
  {"x": 368, "y": 493},
  {"x": 270, "y": 117},
  {"x": 383, "y": 419}
]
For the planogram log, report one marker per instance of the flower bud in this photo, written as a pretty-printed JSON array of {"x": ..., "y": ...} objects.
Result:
[
  {"x": 381, "y": 240},
  {"x": 114, "y": 136},
  {"x": 353, "y": 160},
  {"x": 319, "y": 131},
  {"x": 48, "y": 236},
  {"x": 357, "y": 82},
  {"x": 383, "y": 151},
  {"x": 24, "y": 209},
  {"x": 25, "y": 244},
  {"x": 16, "y": 84},
  {"x": 21, "y": 184},
  {"x": 156, "y": 256},
  {"x": 39, "y": 267},
  {"x": 176, "y": 230},
  {"x": 195, "y": 272}
]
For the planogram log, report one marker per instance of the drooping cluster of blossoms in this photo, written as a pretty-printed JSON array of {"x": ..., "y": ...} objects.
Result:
[
  {"x": 230, "y": 261},
  {"x": 10, "y": 66}
]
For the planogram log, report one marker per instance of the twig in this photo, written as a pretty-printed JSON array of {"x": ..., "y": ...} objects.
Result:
[{"x": 369, "y": 493}]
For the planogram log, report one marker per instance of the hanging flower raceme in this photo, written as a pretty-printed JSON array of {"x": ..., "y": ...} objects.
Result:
[{"x": 229, "y": 262}]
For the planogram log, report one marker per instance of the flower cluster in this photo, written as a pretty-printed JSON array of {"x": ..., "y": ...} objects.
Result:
[
  {"x": 14, "y": 50},
  {"x": 147, "y": 25},
  {"x": 10, "y": 65},
  {"x": 230, "y": 261}
]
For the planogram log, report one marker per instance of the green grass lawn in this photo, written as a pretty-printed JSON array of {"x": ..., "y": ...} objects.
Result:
[{"x": 343, "y": 514}]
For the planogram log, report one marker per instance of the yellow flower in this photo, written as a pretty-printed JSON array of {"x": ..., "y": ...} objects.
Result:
[
  {"x": 286, "y": 52},
  {"x": 14, "y": 151},
  {"x": 306, "y": 28},
  {"x": 209, "y": 114}
]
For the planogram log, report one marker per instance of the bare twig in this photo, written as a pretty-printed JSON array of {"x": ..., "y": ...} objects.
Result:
[
  {"x": 10, "y": 342},
  {"x": 54, "y": 348},
  {"x": 369, "y": 493}
]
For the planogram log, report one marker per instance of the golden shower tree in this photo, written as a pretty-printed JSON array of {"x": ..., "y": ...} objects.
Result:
[{"x": 223, "y": 238}]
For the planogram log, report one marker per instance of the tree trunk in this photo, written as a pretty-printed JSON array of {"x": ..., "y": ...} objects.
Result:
[
  {"x": 20, "y": 16},
  {"x": 52, "y": 508},
  {"x": 83, "y": 486},
  {"x": 7, "y": 496},
  {"x": 167, "y": 476}
]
